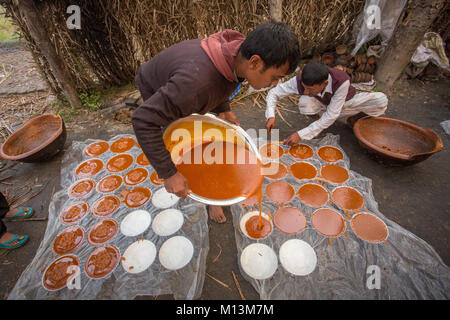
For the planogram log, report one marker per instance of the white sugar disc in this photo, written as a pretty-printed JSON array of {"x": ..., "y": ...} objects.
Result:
[
  {"x": 298, "y": 257},
  {"x": 167, "y": 222},
  {"x": 163, "y": 199},
  {"x": 135, "y": 223},
  {"x": 139, "y": 256},
  {"x": 259, "y": 261},
  {"x": 176, "y": 252}
]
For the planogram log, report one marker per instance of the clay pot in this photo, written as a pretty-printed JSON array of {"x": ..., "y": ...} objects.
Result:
[
  {"x": 396, "y": 142},
  {"x": 39, "y": 139},
  {"x": 328, "y": 59},
  {"x": 341, "y": 49}
]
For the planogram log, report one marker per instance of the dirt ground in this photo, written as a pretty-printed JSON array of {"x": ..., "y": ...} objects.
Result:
[{"x": 415, "y": 197}]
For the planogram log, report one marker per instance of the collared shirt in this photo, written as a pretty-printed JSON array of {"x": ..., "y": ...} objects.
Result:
[{"x": 331, "y": 114}]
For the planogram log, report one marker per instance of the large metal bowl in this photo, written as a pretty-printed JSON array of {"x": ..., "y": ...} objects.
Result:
[
  {"x": 396, "y": 142},
  {"x": 39, "y": 139},
  {"x": 210, "y": 118}
]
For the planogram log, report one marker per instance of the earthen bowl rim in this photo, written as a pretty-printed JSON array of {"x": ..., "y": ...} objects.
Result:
[
  {"x": 98, "y": 248},
  {"x": 371, "y": 214},
  {"x": 357, "y": 131},
  {"x": 66, "y": 255},
  {"x": 99, "y": 244},
  {"x": 41, "y": 146},
  {"x": 340, "y": 215},
  {"x": 71, "y": 205},
  {"x": 71, "y": 226}
]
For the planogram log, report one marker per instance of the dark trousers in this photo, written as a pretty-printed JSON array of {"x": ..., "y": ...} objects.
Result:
[{"x": 4, "y": 208}]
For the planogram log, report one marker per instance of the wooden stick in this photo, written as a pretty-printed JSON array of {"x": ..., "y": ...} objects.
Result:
[
  {"x": 281, "y": 116},
  {"x": 218, "y": 281},
  {"x": 28, "y": 219},
  {"x": 238, "y": 286},
  {"x": 220, "y": 252}
]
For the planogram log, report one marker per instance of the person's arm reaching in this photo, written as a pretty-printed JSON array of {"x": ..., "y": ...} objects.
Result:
[
  {"x": 274, "y": 95},
  {"x": 329, "y": 116}
]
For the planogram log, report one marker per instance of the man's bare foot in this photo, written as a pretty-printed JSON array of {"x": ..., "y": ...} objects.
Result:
[
  {"x": 216, "y": 214},
  {"x": 7, "y": 236}
]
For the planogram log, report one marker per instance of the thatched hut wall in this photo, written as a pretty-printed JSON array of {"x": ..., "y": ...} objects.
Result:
[{"x": 116, "y": 36}]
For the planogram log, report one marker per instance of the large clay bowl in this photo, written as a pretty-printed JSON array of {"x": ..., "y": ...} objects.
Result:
[
  {"x": 38, "y": 140},
  {"x": 396, "y": 142}
]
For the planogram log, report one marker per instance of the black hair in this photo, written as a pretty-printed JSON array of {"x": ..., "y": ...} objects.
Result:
[
  {"x": 314, "y": 73},
  {"x": 275, "y": 43}
]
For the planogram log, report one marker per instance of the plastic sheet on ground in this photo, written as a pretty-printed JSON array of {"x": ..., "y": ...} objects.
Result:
[
  {"x": 409, "y": 268},
  {"x": 185, "y": 283}
]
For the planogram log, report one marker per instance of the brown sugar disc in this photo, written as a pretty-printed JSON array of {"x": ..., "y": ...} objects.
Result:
[
  {"x": 105, "y": 206},
  {"x": 303, "y": 170},
  {"x": 109, "y": 183},
  {"x": 119, "y": 163},
  {"x": 280, "y": 192},
  {"x": 271, "y": 151},
  {"x": 57, "y": 273},
  {"x": 122, "y": 145},
  {"x": 253, "y": 228},
  {"x": 334, "y": 173},
  {"x": 289, "y": 220},
  {"x": 142, "y": 160},
  {"x": 347, "y": 198},
  {"x": 74, "y": 213},
  {"x": 313, "y": 195},
  {"x": 89, "y": 168},
  {"x": 155, "y": 179},
  {"x": 95, "y": 149},
  {"x": 137, "y": 197},
  {"x": 301, "y": 151},
  {"x": 81, "y": 188},
  {"x": 135, "y": 176},
  {"x": 277, "y": 170},
  {"x": 328, "y": 222},
  {"x": 330, "y": 154},
  {"x": 68, "y": 240},
  {"x": 369, "y": 227},
  {"x": 102, "y": 232},
  {"x": 102, "y": 261}
]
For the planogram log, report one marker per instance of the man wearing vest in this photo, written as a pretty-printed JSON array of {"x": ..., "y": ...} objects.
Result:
[{"x": 326, "y": 90}]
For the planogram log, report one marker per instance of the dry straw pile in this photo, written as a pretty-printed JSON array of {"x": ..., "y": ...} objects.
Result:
[{"x": 116, "y": 36}]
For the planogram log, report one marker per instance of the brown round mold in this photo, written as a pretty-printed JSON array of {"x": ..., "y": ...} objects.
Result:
[
  {"x": 105, "y": 206},
  {"x": 122, "y": 145},
  {"x": 81, "y": 188},
  {"x": 289, "y": 220},
  {"x": 74, "y": 213},
  {"x": 347, "y": 198},
  {"x": 271, "y": 151},
  {"x": 55, "y": 275},
  {"x": 102, "y": 261},
  {"x": 303, "y": 170},
  {"x": 334, "y": 173},
  {"x": 301, "y": 151},
  {"x": 313, "y": 195},
  {"x": 109, "y": 183},
  {"x": 96, "y": 148},
  {"x": 89, "y": 168},
  {"x": 280, "y": 192},
  {"x": 68, "y": 240},
  {"x": 135, "y": 176},
  {"x": 136, "y": 197},
  {"x": 37, "y": 140},
  {"x": 369, "y": 228},
  {"x": 281, "y": 172},
  {"x": 142, "y": 160},
  {"x": 328, "y": 222},
  {"x": 155, "y": 179},
  {"x": 102, "y": 232},
  {"x": 330, "y": 154},
  {"x": 119, "y": 163}
]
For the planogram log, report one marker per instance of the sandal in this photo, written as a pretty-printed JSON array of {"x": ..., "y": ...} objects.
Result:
[
  {"x": 18, "y": 214},
  {"x": 5, "y": 245}
]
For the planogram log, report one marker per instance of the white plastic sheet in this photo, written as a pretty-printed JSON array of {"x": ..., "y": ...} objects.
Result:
[
  {"x": 186, "y": 283},
  {"x": 408, "y": 268}
]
